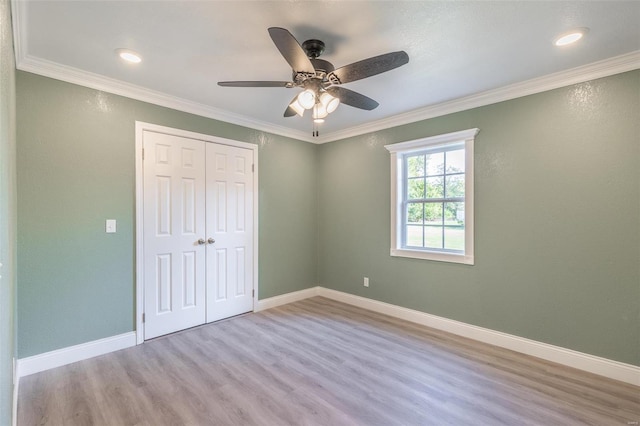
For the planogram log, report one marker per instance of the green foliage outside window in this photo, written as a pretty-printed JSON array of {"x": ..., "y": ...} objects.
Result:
[{"x": 435, "y": 192}]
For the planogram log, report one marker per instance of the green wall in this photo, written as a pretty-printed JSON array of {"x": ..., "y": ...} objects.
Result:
[
  {"x": 557, "y": 208},
  {"x": 7, "y": 214},
  {"x": 75, "y": 161},
  {"x": 557, "y": 228}
]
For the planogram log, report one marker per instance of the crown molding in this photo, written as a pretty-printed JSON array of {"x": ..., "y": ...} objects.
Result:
[
  {"x": 604, "y": 68},
  {"x": 18, "y": 24},
  {"x": 25, "y": 62},
  {"x": 616, "y": 65},
  {"x": 110, "y": 85}
]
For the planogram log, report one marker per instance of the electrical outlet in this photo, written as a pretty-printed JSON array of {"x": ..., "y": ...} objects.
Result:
[{"x": 366, "y": 281}]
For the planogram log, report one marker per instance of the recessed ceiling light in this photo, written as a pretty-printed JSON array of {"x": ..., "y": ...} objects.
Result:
[
  {"x": 129, "y": 56},
  {"x": 571, "y": 36}
]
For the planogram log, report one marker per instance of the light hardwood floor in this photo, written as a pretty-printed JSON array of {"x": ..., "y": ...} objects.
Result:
[{"x": 320, "y": 362}]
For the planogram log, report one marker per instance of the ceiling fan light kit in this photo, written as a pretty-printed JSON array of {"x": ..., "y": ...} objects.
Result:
[
  {"x": 307, "y": 99},
  {"x": 320, "y": 80},
  {"x": 319, "y": 111},
  {"x": 329, "y": 102},
  {"x": 295, "y": 106}
]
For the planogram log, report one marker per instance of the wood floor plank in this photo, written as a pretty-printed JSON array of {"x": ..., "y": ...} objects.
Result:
[{"x": 320, "y": 362}]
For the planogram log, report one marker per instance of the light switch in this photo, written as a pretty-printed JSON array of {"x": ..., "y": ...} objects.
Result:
[{"x": 111, "y": 226}]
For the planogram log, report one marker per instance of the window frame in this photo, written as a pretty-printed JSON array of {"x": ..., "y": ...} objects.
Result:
[{"x": 398, "y": 153}]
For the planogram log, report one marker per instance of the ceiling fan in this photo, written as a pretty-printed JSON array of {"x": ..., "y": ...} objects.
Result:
[{"x": 320, "y": 80}]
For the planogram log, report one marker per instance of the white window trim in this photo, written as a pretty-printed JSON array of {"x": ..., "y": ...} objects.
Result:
[{"x": 398, "y": 150}]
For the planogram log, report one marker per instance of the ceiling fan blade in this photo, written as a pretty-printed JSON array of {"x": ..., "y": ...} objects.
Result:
[
  {"x": 351, "y": 98},
  {"x": 368, "y": 67},
  {"x": 255, "y": 84},
  {"x": 290, "y": 112},
  {"x": 291, "y": 50}
]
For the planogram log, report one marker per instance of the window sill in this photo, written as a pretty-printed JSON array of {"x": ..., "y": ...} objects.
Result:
[{"x": 433, "y": 255}]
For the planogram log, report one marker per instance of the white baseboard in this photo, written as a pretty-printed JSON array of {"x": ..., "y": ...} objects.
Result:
[
  {"x": 604, "y": 367},
  {"x": 283, "y": 299},
  {"x": 64, "y": 356}
]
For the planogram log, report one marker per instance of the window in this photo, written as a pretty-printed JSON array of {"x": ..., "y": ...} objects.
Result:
[{"x": 432, "y": 197}]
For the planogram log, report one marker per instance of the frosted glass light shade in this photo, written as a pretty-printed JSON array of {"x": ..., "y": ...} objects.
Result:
[
  {"x": 319, "y": 111},
  {"x": 307, "y": 99},
  {"x": 329, "y": 102},
  {"x": 295, "y": 105}
]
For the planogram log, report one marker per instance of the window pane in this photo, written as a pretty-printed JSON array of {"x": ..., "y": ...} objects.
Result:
[
  {"x": 415, "y": 166},
  {"x": 435, "y": 187},
  {"x": 454, "y": 237},
  {"x": 455, "y": 161},
  {"x": 455, "y": 186},
  {"x": 433, "y": 236},
  {"x": 414, "y": 213},
  {"x": 415, "y": 188},
  {"x": 414, "y": 236},
  {"x": 433, "y": 213},
  {"x": 435, "y": 163},
  {"x": 430, "y": 203},
  {"x": 454, "y": 214}
]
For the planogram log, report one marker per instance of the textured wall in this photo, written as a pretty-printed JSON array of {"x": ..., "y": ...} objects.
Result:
[
  {"x": 557, "y": 192},
  {"x": 7, "y": 213},
  {"x": 557, "y": 207},
  {"x": 76, "y": 169}
]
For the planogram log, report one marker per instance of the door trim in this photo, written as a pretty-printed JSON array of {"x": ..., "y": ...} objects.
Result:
[{"x": 141, "y": 127}]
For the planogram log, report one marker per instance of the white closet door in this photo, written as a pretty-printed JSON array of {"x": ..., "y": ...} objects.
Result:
[
  {"x": 230, "y": 223},
  {"x": 174, "y": 221}
]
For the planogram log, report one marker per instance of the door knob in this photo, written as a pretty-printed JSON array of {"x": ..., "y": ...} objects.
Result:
[
  {"x": 201, "y": 241},
  {"x": 211, "y": 241}
]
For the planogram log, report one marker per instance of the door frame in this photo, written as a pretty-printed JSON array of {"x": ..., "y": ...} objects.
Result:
[{"x": 141, "y": 127}]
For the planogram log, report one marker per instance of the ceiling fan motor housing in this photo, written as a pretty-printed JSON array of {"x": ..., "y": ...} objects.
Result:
[{"x": 313, "y": 48}]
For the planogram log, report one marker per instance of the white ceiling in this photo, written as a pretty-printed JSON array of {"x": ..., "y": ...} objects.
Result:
[{"x": 462, "y": 53}]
